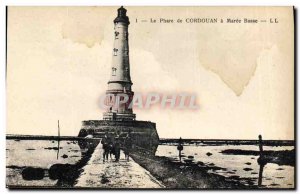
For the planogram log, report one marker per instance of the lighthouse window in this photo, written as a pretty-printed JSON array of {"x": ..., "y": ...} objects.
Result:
[
  {"x": 115, "y": 51},
  {"x": 116, "y": 34},
  {"x": 114, "y": 71},
  {"x": 126, "y": 35},
  {"x": 126, "y": 52}
]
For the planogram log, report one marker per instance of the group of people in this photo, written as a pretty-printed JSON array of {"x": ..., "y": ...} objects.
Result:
[{"x": 112, "y": 146}]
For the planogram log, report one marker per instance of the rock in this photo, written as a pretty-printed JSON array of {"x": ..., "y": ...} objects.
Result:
[
  {"x": 65, "y": 156},
  {"x": 247, "y": 169},
  {"x": 229, "y": 172},
  {"x": 188, "y": 161},
  {"x": 279, "y": 169},
  {"x": 248, "y": 163},
  {"x": 30, "y": 173},
  {"x": 58, "y": 171},
  {"x": 104, "y": 180},
  {"x": 209, "y": 154},
  {"x": 274, "y": 184},
  {"x": 235, "y": 177},
  {"x": 55, "y": 171},
  {"x": 15, "y": 167},
  {"x": 200, "y": 163},
  {"x": 191, "y": 157},
  {"x": 250, "y": 182},
  {"x": 51, "y": 148}
]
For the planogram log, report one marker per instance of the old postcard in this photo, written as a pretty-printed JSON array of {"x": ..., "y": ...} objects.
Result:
[{"x": 150, "y": 97}]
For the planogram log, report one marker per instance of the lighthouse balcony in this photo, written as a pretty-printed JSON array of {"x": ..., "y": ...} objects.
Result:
[{"x": 113, "y": 116}]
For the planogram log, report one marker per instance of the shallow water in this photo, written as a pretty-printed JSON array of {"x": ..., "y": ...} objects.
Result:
[
  {"x": 240, "y": 167},
  {"x": 43, "y": 154},
  {"x": 39, "y": 154}
]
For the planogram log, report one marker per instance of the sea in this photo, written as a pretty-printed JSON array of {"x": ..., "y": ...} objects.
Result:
[{"x": 45, "y": 154}]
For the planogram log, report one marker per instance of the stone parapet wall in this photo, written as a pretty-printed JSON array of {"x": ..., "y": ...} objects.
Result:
[
  {"x": 143, "y": 133},
  {"x": 95, "y": 124}
]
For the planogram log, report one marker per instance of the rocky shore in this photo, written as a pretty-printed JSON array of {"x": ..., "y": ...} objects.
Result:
[
  {"x": 174, "y": 174},
  {"x": 284, "y": 157}
]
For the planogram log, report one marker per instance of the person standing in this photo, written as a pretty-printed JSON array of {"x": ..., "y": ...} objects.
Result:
[
  {"x": 105, "y": 147},
  {"x": 180, "y": 148},
  {"x": 117, "y": 149},
  {"x": 127, "y": 146},
  {"x": 111, "y": 149}
]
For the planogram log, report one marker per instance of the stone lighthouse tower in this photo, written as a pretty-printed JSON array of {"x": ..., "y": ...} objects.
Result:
[
  {"x": 119, "y": 84},
  {"x": 119, "y": 118}
]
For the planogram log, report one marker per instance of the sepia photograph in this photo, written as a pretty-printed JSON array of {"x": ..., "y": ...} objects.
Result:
[{"x": 150, "y": 97}]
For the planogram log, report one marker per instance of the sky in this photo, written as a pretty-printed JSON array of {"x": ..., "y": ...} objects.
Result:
[{"x": 59, "y": 61}]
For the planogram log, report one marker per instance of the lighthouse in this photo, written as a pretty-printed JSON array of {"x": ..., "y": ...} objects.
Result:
[
  {"x": 119, "y": 84},
  {"x": 119, "y": 119}
]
